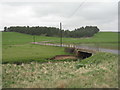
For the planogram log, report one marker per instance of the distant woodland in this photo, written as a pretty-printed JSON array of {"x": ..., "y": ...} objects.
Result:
[{"x": 87, "y": 31}]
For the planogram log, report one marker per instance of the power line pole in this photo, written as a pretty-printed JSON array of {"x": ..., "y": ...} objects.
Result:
[
  {"x": 34, "y": 39},
  {"x": 61, "y": 34}
]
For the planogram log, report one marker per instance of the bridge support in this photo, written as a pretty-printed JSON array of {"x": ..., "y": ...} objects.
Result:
[
  {"x": 80, "y": 53},
  {"x": 83, "y": 55}
]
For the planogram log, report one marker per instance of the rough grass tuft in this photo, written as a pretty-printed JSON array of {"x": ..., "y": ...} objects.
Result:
[{"x": 64, "y": 74}]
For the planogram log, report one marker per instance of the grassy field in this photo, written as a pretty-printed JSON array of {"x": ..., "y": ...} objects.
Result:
[
  {"x": 17, "y": 48},
  {"x": 102, "y": 39},
  {"x": 27, "y": 53},
  {"x": 13, "y": 38},
  {"x": 99, "y": 71}
]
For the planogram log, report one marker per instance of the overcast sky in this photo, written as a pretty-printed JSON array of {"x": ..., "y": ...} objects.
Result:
[{"x": 73, "y": 13}]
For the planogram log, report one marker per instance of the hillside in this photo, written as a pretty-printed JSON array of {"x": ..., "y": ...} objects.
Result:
[
  {"x": 29, "y": 71},
  {"x": 17, "y": 38}
]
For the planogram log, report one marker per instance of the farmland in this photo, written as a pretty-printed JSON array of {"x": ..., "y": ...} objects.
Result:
[
  {"x": 18, "y": 38},
  {"x": 27, "y": 53},
  {"x": 101, "y": 39},
  {"x": 98, "y": 71},
  {"x": 17, "y": 47}
]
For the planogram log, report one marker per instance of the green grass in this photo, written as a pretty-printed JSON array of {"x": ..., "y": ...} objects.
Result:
[
  {"x": 64, "y": 74},
  {"x": 18, "y": 38},
  {"x": 13, "y": 38},
  {"x": 17, "y": 47},
  {"x": 98, "y": 71},
  {"x": 98, "y": 58},
  {"x": 101, "y": 39},
  {"x": 27, "y": 53}
]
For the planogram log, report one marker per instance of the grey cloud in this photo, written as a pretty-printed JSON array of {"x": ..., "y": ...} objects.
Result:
[
  {"x": 98, "y": 12},
  {"x": 40, "y": 13},
  {"x": 58, "y": 9}
]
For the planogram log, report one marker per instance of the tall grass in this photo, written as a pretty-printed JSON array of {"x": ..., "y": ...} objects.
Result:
[{"x": 64, "y": 74}]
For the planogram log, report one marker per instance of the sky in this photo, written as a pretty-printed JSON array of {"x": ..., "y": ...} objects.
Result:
[{"x": 71, "y": 13}]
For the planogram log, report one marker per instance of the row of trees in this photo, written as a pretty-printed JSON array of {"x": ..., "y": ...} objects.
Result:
[{"x": 87, "y": 31}]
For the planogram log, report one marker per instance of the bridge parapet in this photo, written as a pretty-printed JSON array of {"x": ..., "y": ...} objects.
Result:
[{"x": 85, "y": 50}]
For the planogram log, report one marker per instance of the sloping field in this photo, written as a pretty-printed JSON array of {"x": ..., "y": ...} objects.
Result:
[
  {"x": 98, "y": 71},
  {"x": 18, "y": 38},
  {"x": 28, "y": 53},
  {"x": 11, "y": 38},
  {"x": 106, "y": 37},
  {"x": 102, "y": 39}
]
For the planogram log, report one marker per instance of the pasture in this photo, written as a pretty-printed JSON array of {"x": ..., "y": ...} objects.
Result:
[
  {"x": 101, "y": 39},
  {"x": 28, "y": 53},
  {"x": 18, "y": 38},
  {"x": 98, "y": 71}
]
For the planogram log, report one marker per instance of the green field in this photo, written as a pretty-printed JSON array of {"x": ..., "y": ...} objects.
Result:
[
  {"x": 27, "y": 53},
  {"x": 101, "y": 39},
  {"x": 17, "y": 47},
  {"x": 13, "y": 38},
  {"x": 98, "y": 71},
  {"x": 18, "y": 38}
]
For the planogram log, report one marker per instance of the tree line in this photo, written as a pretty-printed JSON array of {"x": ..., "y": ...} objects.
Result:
[{"x": 87, "y": 31}]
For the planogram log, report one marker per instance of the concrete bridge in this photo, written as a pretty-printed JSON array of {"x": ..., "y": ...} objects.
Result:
[
  {"x": 81, "y": 53},
  {"x": 81, "y": 48}
]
